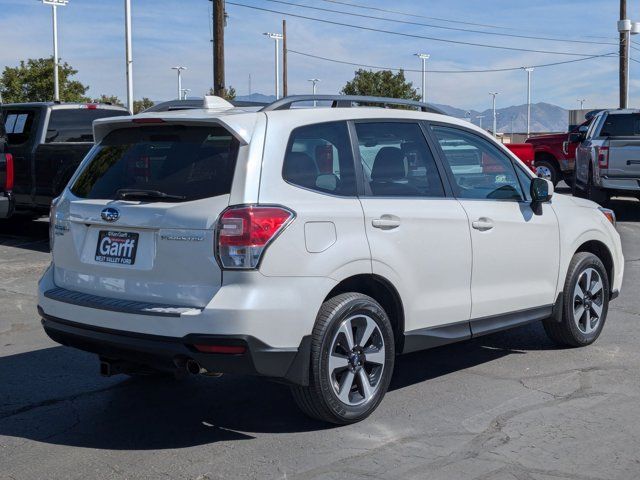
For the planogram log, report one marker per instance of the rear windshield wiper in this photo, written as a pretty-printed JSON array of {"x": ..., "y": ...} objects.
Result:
[{"x": 134, "y": 193}]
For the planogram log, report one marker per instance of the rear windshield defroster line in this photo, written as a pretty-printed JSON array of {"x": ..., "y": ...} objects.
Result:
[{"x": 184, "y": 163}]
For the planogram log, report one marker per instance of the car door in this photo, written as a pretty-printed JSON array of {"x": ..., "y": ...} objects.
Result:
[
  {"x": 418, "y": 235},
  {"x": 515, "y": 249}
]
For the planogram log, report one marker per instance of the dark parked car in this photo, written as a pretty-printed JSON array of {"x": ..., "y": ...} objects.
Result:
[{"x": 46, "y": 142}]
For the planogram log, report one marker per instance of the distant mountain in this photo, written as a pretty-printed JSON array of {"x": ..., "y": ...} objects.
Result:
[
  {"x": 544, "y": 117},
  {"x": 257, "y": 97}
]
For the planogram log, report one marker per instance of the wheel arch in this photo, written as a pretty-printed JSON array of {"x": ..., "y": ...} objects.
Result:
[
  {"x": 600, "y": 250},
  {"x": 382, "y": 291}
]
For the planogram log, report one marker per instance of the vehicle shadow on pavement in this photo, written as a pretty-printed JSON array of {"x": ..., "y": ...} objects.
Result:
[
  {"x": 626, "y": 209},
  {"x": 25, "y": 233},
  {"x": 56, "y": 396}
]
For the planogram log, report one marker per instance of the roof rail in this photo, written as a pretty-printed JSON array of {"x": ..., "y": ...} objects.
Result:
[{"x": 347, "y": 101}]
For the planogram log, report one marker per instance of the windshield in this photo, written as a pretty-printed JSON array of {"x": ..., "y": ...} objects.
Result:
[{"x": 176, "y": 163}]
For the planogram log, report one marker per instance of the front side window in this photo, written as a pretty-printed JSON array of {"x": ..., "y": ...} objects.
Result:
[
  {"x": 480, "y": 169},
  {"x": 397, "y": 161},
  {"x": 175, "y": 163},
  {"x": 319, "y": 158}
]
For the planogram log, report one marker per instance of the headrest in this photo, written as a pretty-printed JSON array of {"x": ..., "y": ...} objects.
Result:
[{"x": 388, "y": 164}]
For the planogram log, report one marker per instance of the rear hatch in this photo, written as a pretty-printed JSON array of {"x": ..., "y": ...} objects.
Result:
[
  {"x": 137, "y": 221},
  {"x": 623, "y": 133}
]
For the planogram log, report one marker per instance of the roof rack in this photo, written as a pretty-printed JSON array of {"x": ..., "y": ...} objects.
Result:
[{"x": 348, "y": 101}]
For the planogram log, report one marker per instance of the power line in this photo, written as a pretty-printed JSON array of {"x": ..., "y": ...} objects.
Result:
[
  {"x": 430, "y": 25},
  {"x": 493, "y": 70},
  {"x": 448, "y": 20},
  {"x": 410, "y": 35}
]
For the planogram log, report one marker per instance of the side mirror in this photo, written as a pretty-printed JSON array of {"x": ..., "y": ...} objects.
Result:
[
  {"x": 576, "y": 137},
  {"x": 541, "y": 190},
  {"x": 583, "y": 129}
]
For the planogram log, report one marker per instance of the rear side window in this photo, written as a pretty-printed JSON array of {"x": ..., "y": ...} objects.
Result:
[
  {"x": 319, "y": 158},
  {"x": 621, "y": 125},
  {"x": 19, "y": 125},
  {"x": 397, "y": 161},
  {"x": 185, "y": 163},
  {"x": 76, "y": 124}
]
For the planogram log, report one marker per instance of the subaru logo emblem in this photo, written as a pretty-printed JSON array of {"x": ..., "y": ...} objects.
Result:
[{"x": 110, "y": 214}]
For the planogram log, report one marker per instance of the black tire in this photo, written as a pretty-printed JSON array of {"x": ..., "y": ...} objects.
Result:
[
  {"x": 594, "y": 193},
  {"x": 320, "y": 400},
  {"x": 567, "y": 332},
  {"x": 556, "y": 175}
]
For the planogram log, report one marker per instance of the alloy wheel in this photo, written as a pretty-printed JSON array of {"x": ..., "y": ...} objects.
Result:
[
  {"x": 356, "y": 360},
  {"x": 588, "y": 301}
]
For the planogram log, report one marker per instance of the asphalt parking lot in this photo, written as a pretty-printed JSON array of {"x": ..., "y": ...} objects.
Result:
[{"x": 505, "y": 406}]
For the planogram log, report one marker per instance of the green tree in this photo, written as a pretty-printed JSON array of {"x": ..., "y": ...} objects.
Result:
[
  {"x": 141, "y": 105},
  {"x": 229, "y": 93},
  {"x": 383, "y": 83},
  {"x": 32, "y": 81},
  {"x": 112, "y": 99}
]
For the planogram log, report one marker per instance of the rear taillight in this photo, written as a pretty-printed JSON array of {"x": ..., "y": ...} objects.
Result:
[
  {"x": 9, "y": 173},
  {"x": 603, "y": 157},
  {"x": 243, "y": 234}
]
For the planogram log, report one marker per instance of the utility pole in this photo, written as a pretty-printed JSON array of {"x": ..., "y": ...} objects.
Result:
[
  {"x": 581, "y": 102},
  {"x": 129, "y": 57},
  {"x": 276, "y": 37},
  {"x": 495, "y": 122},
  {"x": 179, "y": 70},
  {"x": 54, "y": 17},
  {"x": 284, "y": 59},
  {"x": 424, "y": 57},
  {"x": 529, "y": 71},
  {"x": 623, "y": 28},
  {"x": 219, "y": 16},
  {"x": 249, "y": 84}
]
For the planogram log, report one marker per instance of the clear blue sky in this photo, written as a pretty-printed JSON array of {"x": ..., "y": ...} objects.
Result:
[{"x": 177, "y": 32}]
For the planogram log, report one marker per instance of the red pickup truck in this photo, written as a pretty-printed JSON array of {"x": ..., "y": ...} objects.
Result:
[{"x": 555, "y": 156}]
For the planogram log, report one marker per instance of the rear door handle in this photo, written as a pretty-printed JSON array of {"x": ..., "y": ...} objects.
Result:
[
  {"x": 483, "y": 224},
  {"x": 385, "y": 223}
]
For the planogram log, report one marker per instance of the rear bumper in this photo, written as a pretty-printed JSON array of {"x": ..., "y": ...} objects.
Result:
[
  {"x": 165, "y": 353},
  {"x": 613, "y": 183}
]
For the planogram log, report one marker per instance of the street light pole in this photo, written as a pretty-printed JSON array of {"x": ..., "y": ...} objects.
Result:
[
  {"x": 184, "y": 93},
  {"x": 314, "y": 82},
  {"x": 129, "y": 58},
  {"x": 424, "y": 57},
  {"x": 480, "y": 117},
  {"x": 494, "y": 94},
  {"x": 581, "y": 102},
  {"x": 179, "y": 70},
  {"x": 54, "y": 17},
  {"x": 529, "y": 71},
  {"x": 277, "y": 37}
]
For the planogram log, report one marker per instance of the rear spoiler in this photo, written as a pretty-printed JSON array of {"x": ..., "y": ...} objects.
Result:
[{"x": 240, "y": 126}]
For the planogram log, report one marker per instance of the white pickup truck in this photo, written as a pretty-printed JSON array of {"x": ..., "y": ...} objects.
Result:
[{"x": 608, "y": 156}]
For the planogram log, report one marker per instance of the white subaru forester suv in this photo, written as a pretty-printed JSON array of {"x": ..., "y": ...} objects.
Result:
[{"x": 313, "y": 245}]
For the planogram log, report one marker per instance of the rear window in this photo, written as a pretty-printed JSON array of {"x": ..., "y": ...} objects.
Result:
[
  {"x": 76, "y": 124},
  {"x": 621, "y": 125},
  {"x": 186, "y": 162}
]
